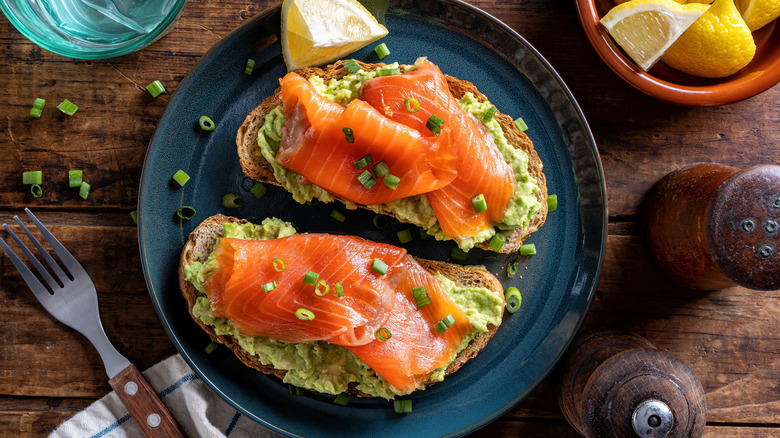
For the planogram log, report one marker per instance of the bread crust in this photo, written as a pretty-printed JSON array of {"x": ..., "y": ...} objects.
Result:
[
  {"x": 204, "y": 237},
  {"x": 255, "y": 166}
]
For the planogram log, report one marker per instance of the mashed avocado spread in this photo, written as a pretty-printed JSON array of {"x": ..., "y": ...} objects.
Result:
[
  {"x": 415, "y": 209},
  {"x": 321, "y": 366}
]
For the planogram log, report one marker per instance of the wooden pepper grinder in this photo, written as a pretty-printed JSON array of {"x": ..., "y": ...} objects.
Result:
[
  {"x": 711, "y": 226},
  {"x": 618, "y": 385}
]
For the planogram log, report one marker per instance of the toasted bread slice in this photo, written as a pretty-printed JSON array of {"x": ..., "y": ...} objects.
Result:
[
  {"x": 204, "y": 238},
  {"x": 255, "y": 166}
]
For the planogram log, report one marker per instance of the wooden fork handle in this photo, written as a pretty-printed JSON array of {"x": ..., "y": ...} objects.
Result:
[{"x": 144, "y": 405}]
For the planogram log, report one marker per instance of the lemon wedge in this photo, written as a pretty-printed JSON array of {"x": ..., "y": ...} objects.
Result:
[
  {"x": 646, "y": 28},
  {"x": 315, "y": 32},
  {"x": 758, "y": 13}
]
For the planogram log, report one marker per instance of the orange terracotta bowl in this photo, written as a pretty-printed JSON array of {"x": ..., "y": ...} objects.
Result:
[{"x": 669, "y": 85}]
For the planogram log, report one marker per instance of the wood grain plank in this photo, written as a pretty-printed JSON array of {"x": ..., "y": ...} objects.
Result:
[{"x": 560, "y": 429}]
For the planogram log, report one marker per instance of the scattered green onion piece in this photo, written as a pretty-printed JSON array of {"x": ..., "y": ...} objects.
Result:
[
  {"x": 155, "y": 88},
  {"x": 352, "y": 66},
  {"x": 75, "y": 178},
  {"x": 479, "y": 203},
  {"x": 310, "y": 278},
  {"x": 250, "y": 66},
  {"x": 349, "y": 136},
  {"x": 211, "y": 347},
  {"x": 366, "y": 179},
  {"x": 35, "y": 112},
  {"x": 380, "y": 169},
  {"x": 294, "y": 390},
  {"x": 379, "y": 267},
  {"x": 206, "y": 123},
  {"x": 304, "y": 314},
  {"x": 520, "y": 124},
  {"x": 552, "y": 202},
  {"x": 383, "y": 334},
  {"x": 528, "y": 249},
  {"x": 444, "y": 324},
  {"x": 134, "y": 216},
  {"x": 458, "y": 255},
  {"x": 421, "y": 296},
  {"x": 404, "y": 236},
  {"x": 388, "y": 71},
  {"x": 391, "y": 181},
  {"x": 411, "y": 104},
  {"x": 381, "y": 221},
  {"x": 402, "y": 406},
  {"x": 363, "y": 162},
  {"x": 511, "y": 268},
  {"x": 321, "y": 289},
  {"x": 229, "y": 200},
  {"x": 181, "y": 177},
  {"x": 424, "y": 234},
  {"x": 278, "y": 265},
  {"x": 84, "y": 190},
  {"x": 268, "y": 287},
  {"x": 342, "y": 399},
  {"x": 434, "y": 124},
  {"x": 37, "y": 107},
  {"x": 381, "y": 50},
  {"x": 186, "y": 212},
  {"x": 339, "y": 216},
  {"x": 339, "y": 289},
  {"x": 488, "y": 116},
  {"x": 32, "y": 177},
  {"x": 513, "y": 299},
  {"x": 68, "y": 107},
  {"x": 36, "y": 190},
  {"x": 497, "y": 242},
  {"x": 258, "y": 190}
]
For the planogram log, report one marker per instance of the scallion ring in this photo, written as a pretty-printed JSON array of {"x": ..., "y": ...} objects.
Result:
[
  {"x": 383, "y": 334},
  {"x": 411, "y": 104},
  {"x": 479, "y": 203},
  {"x": 380, "y": 169},
  {"x": 444, "y": 324},
  {"x": 304, "y": 314},
  {"x": 342, "y": 399},
  {"x": 321, "y": 289},
  {"x": 434, "y": 124},
  {"x": 185, "y": 212},
  {"x": 351, "y": 65},
  {"x": 278, "y": 265},
  {"x": 497, "y": 242},
  {"x": 381, "y": 50},
  {"x": 379, "y": 266},
  {"x": 268, "y": 287},
  {"x": 404, "y": 236},
  {"x": 155, "y": 88},
  {"x": 310, "y": 278},
  {"x": 84, "y": 190},
  {"x": 181, "y": 177},
  {"x": 229, "y": 200},
  {"x": 36, "y": 190},
  {"x": 527, "y": 249},
  {"x": 391, "y": 181},
  {"x": 513, "y": 299},
  {"x": 349, "y": 136},
  {"x": 402, "y": 406},
  {"x": 421, "y": 297},
  {"x": 32, "y": 177},
  {"x": 75, "y": 178},
  {"x": 381, "y": 221},
  {"x": 206, "y": 123},
  {"x": 339, "y": 289},
  {"x": 488, "y": 116},
  {"x": 249, "y": 67}
]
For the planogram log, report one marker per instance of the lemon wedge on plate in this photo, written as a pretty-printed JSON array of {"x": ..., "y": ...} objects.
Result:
[
  {"x": 315, "y": 32},
  {"x": 758, "y": 13},
  {"x": 646, "y": 28}
]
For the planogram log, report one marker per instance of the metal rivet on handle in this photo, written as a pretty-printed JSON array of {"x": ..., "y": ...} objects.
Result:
[
  {"x": 153, "y": 420},
  {"x": 131, "y": 388},
  {"x": 765, "y": 251},
  {"x": 770, "y": 226},
  {"x": 748, "y": 225}
]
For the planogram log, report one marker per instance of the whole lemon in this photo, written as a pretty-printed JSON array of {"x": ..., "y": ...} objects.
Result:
[{"x": 718, "y": 44}]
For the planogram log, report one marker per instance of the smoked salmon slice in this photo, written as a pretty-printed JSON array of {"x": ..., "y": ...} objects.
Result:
[
  {"x": 481, "y": 168},
  {"x": 315, "y": 146}
]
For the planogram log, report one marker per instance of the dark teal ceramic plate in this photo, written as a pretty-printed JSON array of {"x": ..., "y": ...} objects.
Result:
[{"x": 557, "y": 283}]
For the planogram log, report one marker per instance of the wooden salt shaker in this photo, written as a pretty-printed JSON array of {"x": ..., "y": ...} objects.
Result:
[
  {"x": 711, "y": 226},
  {"x": 618, "y": 385}
]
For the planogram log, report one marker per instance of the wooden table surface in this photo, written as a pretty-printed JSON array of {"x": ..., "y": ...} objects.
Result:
[{"x": 730, "y": 338}]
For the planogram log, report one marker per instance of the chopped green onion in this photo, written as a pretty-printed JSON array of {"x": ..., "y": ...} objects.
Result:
[
  {"x": 75, "y": 178},
  {"x": 339, "y": 289},
  {"x": 381, "y": 221},
  {"x": 181, "y": 177},
  {"x": 84, "y": 190},
  {"x": 349, "y": 136},
  {"x": 37, "y": 107},
  {"x": 511, "y": 268},
  {"x": 528, "y": 249},
  {"x": 304, "y": 314},
  {"x": 339, "y": 216},
  {"x": 479, "y": 203},
  {"x": 32, "y": 177},
  {"x": 155, "y": 88},
  {"x": 68, "y": 107},
  {"x": 258, "y": 190},
  {"x": 424, "y": 234},
  {"x": 421, "y": 296},
  {"x": 352, "y": 66},
  {"x": 411, "y": 104},
  {"x": 434, "y": 124},
  {"x": 388, "y": 71},
  {"x": 402, "y": 406},
  {"x": 520, "y": 124},
  {"x": 206, "y": 123},
  {"x": 380, "y": 169},
  {"x": 363, "y": 162},
  {"x": 310, "y": 278},
  {"x": 444, "y": 324},
  {"x": 497, "y": 242},
  {"x": 404, "y": 236},
  {"x": 488, "y": 116},
  {"x": 513, "y": 299},
  {"x": 134, "y": 216},
  {"x": 211, "y": 347},
  {"x": 458, "y": 255},
  {"x": 36, "y": 190},
  {"x": 552, "y": 202},
  {"x": 268, "y": 287},
  {"x": 366, "y": 179},
  {"x": 379, "y": 267},
  {"x": 342, "y": 399},
  {"x": 250, "y": 66},
  {"x": 321, "y": 289},
  {"x": 381, "y": 50},
  {"x": 229, "y": 200},
  {"x": 391, "y": 181},
  {"x": 383, "y": 334},
  {"x": 294, "y": 390},
  {"x": 186, "y": 212},
  {"x": 278, "y": 265}
]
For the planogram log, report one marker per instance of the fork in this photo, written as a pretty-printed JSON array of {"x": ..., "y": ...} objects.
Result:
[{"x": 71, "y": 298}]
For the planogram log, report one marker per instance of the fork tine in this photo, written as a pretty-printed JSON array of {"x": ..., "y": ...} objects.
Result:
[
  {"x": 66, "y": 257},
  {"x": 42, "y": 251},
  {"x": 38, "y": 289},
  {"x": 31, "y": 257}
]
